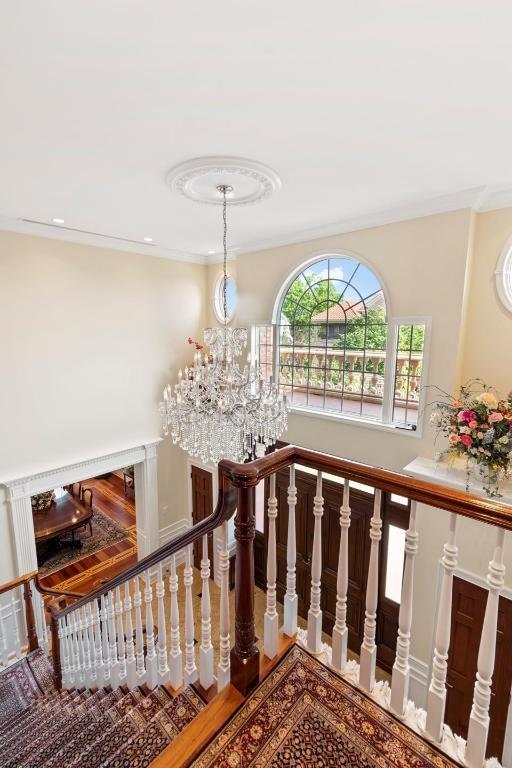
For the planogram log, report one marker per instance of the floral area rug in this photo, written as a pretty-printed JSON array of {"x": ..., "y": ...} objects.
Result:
[
  {"x": 305, "y": 716},
  {"x": 104, "y": 533}
]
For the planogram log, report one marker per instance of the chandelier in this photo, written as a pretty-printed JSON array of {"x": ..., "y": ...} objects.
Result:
[{"x": 221, "y": 408}]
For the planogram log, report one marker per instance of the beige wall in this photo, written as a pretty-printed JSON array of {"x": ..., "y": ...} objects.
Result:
[
  {"x": 422, "y": 264},
  {"x": 89, "y": 338},
  {"x": 487, "y": 348}
]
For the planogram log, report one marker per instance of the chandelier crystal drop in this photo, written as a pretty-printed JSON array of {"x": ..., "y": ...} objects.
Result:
[{"x": 221, "y": 408}]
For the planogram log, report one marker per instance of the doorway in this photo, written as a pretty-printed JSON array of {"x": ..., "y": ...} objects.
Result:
[
  {"x": 202, "y": 505},
  {"x": 468, "y": 609}
]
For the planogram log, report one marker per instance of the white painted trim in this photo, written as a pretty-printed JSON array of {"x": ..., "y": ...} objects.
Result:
[
  {"x": 171, "y": 531},
  {"x": 325, "y": 253},
  {"x": 20, "y": 489},
  {"x": 55, "y": 232},
  {"x": 418, "y": 685},
  {"x": 480, "y": 581},
  {"x": 356, "y": 422},
  {"x": 479, "y": 199},
  {"x": 503, "y": 275}
]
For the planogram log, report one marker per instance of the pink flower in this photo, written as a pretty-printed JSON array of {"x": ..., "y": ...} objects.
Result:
[
  {"x": 466, "y": 415},
  {"x": 454, "y": 439},
  {"x": 473, "y": 424},
  {"x": 495, "y": 416},
  {"x": 466, "y": 440}
]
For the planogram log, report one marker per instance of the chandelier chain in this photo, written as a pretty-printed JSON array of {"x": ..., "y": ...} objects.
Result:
[{"x": 225, "y": 262}]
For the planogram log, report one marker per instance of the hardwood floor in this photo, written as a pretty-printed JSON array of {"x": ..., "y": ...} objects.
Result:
[{"x": 89, "y": 572}]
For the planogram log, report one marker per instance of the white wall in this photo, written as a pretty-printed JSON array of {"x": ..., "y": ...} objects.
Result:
[{"x": 89, "y": 338}]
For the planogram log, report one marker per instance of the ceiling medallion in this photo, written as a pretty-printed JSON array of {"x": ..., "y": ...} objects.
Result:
[{"x": 200, "y": 179}]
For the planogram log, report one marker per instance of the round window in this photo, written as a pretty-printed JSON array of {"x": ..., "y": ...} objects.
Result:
[
  {"x": 230, "y": 298},
  {"x": 504, "y": 277}
]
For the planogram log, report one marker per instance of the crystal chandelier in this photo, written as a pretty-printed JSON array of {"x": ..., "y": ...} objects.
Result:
[{"x": 220, "y": 408}]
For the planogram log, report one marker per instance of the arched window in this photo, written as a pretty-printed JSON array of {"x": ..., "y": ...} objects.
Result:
[{"x": 335, "y": 348}]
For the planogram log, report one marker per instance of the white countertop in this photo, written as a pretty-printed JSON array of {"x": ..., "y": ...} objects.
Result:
[{"x": 453, "y": 476}]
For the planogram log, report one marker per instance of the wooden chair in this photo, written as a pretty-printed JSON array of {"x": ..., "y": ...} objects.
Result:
[
  {"x": 76, "y": 490},
  {"x": 87, "y": 501},
  {"x": 128, "y": 478}
]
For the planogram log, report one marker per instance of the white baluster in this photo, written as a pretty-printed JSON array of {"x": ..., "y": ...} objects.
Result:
[
  {"x": 131, "y": 675},
  {"x": 479, "y": 719},
  {"x": 163, "y": 667},
  {"x": 43, "y": 639},
  {"x": 175, "y": 656},
  {"x": 104, "y": 641},
  {"x": 206, "y": 677},
  {"x": 73, "y": 661},
  {"x": 290, "y": 598},
  {"x": 79, "y": 656},
  {"x": 436, "y": 699},
  {"x": 190, "y": 656},
  {"x": 4, "y": 652},
  {"x": 98, "y": 651},
  {"x": 15, "y": 626},
  {"x": 400, "y": 676},
  {"x": 64, "y": 652},
  {"x": 271, "y": 621},
  {"x": 114, "y": 662},
  {"x": 121, "y": 642},
  {"x": 90, "y": 640},
  {"x": 139, "y": 636},
  {"x": 315, "y": 613},
  {"x": 224, "y": 668},
  {"x": 368, "y": 656},
  {"x": 340, "y": 630},
  {"x": 84, "y": 635},
  {"x": 151, "y": 660}
]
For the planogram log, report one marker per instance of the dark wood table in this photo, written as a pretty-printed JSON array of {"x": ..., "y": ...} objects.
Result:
[{"x": 64, "y": 517}]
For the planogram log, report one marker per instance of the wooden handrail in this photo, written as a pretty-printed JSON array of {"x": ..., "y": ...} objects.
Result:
[
  {"x": 54, "y": 592},
  {"x": 17, "y": 582},
  {"x": 485, "y": 510},
  {"x": 225, "y": 508}
]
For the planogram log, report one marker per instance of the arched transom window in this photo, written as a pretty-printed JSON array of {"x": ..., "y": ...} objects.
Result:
[{"x": 335, "y": 348}]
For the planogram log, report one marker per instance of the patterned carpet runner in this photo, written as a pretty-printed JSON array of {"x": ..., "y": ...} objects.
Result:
[
  {"x": 305, "y": 716},
  {"x": 42, "y": 728}
]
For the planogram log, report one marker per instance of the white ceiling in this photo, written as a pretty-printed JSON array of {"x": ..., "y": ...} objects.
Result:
[{"x": 365, "y": 109}]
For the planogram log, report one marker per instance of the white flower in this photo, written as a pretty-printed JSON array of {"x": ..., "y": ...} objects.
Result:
[
  {"x": 488, "y": 400},
  {"x": 503, "y": 440},
  {"x": 479, "y": 435}
]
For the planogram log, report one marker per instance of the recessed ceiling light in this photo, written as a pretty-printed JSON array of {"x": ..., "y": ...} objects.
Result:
[
  {"x": 211, "y": 252},
  {"x": 58, "y": 221},
  {"x": 148, "y": 239}
]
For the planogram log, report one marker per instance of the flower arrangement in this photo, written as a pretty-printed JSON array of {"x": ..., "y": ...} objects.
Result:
[
  {"x": 42, "y": 501},
  {"x": 478, "y": 426}
]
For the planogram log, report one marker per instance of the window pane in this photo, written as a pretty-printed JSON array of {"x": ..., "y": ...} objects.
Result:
[
  {"x": 332, "y": 342},
  {"x": 395, "y": 563},
  {"x": 408, "y": 373}
]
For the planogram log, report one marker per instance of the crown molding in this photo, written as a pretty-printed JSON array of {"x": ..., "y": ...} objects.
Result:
[
  {"x": 479, "y": 199},
  {"x": 469, "y": 198},
  {"x": 67, "y": 234}
]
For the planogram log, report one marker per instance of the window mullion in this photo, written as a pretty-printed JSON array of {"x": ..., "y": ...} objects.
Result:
[{"x": 389, "y": 372}]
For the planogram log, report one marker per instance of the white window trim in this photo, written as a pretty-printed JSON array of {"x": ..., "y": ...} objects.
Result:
[
  {"x": 503, "y": 276},
  {"x": 217, "y": 305}
]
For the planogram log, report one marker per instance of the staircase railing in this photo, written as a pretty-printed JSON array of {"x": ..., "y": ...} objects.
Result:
[
  {"x": 457, "y": 503},
  {"x": 12, "y": 642},
  {"x": 108, "y": 636}
]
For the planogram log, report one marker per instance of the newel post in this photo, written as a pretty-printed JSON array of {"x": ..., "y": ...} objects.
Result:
[
  {"x": 245, "y": 656},
  {"x": 30, "y": 618},
  {"x": 57, "y": 668}
]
